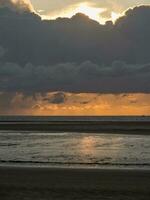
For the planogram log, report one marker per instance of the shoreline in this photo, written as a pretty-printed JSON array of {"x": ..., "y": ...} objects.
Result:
[
  {"x": 65, "y": 183},
  {"x": 90, "y": 166}
]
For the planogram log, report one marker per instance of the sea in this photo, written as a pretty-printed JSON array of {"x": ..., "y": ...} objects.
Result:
[{"x": 74, "y": 149}]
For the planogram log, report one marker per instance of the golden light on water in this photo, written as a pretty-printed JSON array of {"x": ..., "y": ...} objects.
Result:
[
  {"x": 87, "y": 145},
  {"x": 91, "y": 147}
]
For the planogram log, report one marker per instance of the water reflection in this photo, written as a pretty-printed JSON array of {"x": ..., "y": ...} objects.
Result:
[
  {"x": 74, "y": 148},
  {"x": 100, "y": 148},
  {"x": 87, "y": 145}
]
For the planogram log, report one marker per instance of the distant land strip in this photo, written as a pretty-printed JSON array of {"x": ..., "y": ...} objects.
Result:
[{"x": 78, "y": 126}]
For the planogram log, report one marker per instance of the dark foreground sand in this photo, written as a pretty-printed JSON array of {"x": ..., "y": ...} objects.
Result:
[{"x": 73, "y": 184}]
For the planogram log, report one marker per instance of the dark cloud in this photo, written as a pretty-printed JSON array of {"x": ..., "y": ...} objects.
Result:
[
  {"x": 58, "y": 98},
  {"x": 5, "y": 100},
  {"x": 76, "y": 55},
  {"x": 17, "y": 5},
  {"x": 2, "y": 51},
  {"x": 85, "y": 77},
  {"x": 29, "y": 39}
]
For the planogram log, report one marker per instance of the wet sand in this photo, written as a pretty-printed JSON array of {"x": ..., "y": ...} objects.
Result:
[{"x": 18, "y": 183}]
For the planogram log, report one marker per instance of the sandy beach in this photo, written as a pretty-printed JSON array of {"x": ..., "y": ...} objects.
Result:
[{"x": 61, "y": 183}]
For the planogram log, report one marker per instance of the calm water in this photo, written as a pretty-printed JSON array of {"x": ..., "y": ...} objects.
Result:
[{"x": 74, "y": 149}]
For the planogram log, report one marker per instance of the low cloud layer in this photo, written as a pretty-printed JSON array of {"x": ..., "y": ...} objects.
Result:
[{"x": 85, "y": 77}]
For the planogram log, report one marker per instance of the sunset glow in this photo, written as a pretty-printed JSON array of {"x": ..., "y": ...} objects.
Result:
[
  {"x": 92, "y": 12},
  {"x": 115, "y": 16},
  {"x": 94, "y": 9},
  {"x": 58, "y": 103}
]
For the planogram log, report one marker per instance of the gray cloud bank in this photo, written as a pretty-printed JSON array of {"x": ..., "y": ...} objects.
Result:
[
  {"x": 75, "y": 55},
  {"x": 70, "y": 77}
]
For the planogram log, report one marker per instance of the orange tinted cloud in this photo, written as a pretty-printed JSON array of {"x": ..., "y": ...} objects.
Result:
[{"x": 58, "y": 103}]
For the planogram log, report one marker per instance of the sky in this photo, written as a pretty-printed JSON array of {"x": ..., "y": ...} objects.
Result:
[
  {"x": 77, "y": 104},
  {"x": 78, "y": 65},
  {"x": 100, "y": 10}
]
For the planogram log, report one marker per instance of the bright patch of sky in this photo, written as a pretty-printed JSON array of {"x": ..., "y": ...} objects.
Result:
[{"x": 99, "y": 10}]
